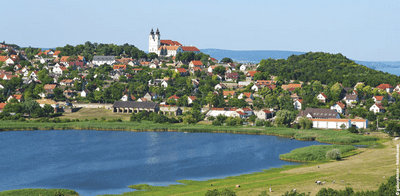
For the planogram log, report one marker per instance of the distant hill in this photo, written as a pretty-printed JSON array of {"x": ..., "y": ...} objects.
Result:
[{"x": 254, "y": 56}]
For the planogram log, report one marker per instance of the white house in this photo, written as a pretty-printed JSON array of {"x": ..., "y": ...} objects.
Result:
[
  {"x": 100, "y": 60},
  {"x": 1, "y": 86},
  {"x": 255, "y": 88},
  {"x": 377, "y": 108},
  {"x": 153, "y": 66},
  {"x": 219, "y": 86},
  {"x": 247, "y": 95},
  {"x": 350, "y": 99},
  {"x": 297, "y": 104},
  {"x": 263, "y": 114},
  {"x": 164, "y": 84},
  {"x": 242, "y": 67},
  {"x": 322, "y": 97},
  {"x": 84, "y": 93},
  {"x": 339, "y": 107},
  {"x": 124, "y": 98},
  {"x": 57, "y": 69},
  {"x": 191, "y": 99},
  {"x": 378, "y": 99},
  {"x": 9, "y": 62}
]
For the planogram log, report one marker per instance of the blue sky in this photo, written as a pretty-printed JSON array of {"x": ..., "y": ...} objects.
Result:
[{"x": 359, "y": 29}]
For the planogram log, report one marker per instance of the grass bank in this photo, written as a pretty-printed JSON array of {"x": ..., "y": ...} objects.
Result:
[
  {"x": 325, "y": 136},
  {"x": 41, "y": 192}
]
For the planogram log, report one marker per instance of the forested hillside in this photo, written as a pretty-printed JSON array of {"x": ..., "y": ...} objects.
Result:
[
  {"x": 88, "y": 50},
  {"x": 327, "y": 68}
]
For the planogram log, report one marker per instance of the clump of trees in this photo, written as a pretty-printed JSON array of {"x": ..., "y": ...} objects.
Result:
[{"x": 151, "y": 116}]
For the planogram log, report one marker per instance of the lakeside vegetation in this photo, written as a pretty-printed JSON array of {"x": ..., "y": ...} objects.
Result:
[{"x": 316, "y": 153}]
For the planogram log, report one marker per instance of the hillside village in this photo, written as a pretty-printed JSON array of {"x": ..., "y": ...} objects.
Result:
[{"x": 181, "y": 83}]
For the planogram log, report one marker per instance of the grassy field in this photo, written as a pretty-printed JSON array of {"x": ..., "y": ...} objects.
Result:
[{"x": 90, "y": 113}]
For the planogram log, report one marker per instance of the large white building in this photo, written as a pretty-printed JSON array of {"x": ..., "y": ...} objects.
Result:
[
  {"x": 334, "y": 123},
  {"x": 167, "y": 47}
]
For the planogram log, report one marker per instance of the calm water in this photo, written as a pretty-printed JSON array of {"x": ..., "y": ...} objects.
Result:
[
  {"x": 395, "y": 71},
  {"x": 106, "y": 162}
]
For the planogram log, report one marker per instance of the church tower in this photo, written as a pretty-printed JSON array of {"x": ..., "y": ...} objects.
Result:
[{"x": 154, "y": 41}]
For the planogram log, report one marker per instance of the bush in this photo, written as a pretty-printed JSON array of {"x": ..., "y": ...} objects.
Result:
[
  {"x": 211, "y": 118},
  {"x": 216, "y": 123},
  {"x": 21, "y": 119},
  {"x": 352, "y": 129},
  {"x": 259, "y": 123},
  {"x": 267, "y": 124},
  {"x": 215, "y": 192},
  {"x": 333, "y": 154}
]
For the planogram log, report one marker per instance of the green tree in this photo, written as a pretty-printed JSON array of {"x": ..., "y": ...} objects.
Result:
[
  {"x": 226, "y": 60},
  {"x": 252, "y": 118},
  {"x": 284, "y": 117},
  {"x": 30, "y": 106}
]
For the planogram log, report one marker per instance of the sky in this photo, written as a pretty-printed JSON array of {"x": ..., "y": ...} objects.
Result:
[{"x": 366, "y": 30}]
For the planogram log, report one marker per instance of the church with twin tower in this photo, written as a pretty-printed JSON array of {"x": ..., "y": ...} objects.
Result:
[{"x": 165, "y": 48}]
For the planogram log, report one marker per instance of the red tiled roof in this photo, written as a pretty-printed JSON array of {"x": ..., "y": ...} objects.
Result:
[
  {"x": 240, "y": 113},
  {"x": 190, "y": 49},
  {"x": 265, "y": 82},
  {"x": 247, "y": 109},
  {"x": 251, "y": 73},
  {"x": 119, "y": 67},
  {"x": 192, "y": 97},
  {"x": 379, "y": 105},
  {"x": 226, "y": 93},
  {"x": 170, "y": 42},
  {"x": 64, "y": 59},
  {"x": 267, "y": 111},
  {"x": 378, "y": 98},
  {"x": 18, "y": 97},
  {"x": 294, "y": 85},
  {"x": 3, "y": 58},
  {"x": 248, "y": 95},
  {"x": 196, "y": 69},
  {"x": 341, "y": 105},
  {"x": 49, "y": 86},
  {"x": 219, "y": 109},
  {"x": 2, "y": 105},
  {"x": 173, "y": 97},
  {"x": 384, "y": 86},
  {"x": 181, "y": 70},
  {"x": 197, "y": 62},
  {"x": 300, "y": 100},
  {"x": 57, "y": 52}
]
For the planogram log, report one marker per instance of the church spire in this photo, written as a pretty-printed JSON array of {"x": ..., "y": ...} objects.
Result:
[
  {"x": 157, "y": 32},
  {"x": 152, "y": 32}
]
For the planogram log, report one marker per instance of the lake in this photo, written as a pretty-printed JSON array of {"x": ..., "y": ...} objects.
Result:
[
  {"x": 395, "y": 71},
  {"x": 106, "y": 162}
]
